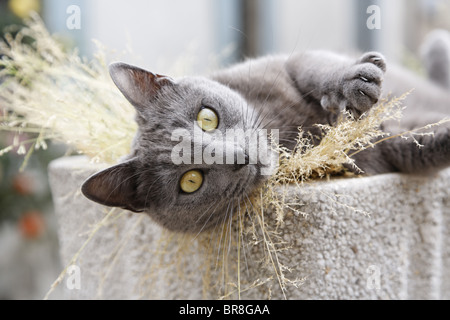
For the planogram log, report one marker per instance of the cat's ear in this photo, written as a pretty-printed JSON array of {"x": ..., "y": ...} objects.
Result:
[
  {"x": 114, "y": 187},
  {"x": 137, "y": 85}
]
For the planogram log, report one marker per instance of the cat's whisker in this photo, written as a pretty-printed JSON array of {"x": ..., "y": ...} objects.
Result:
[
  {"x": 251, "y": 117},
  {"x": 201, "y": 216},
  {"x": 225, "y": 236},
  {"x": 287, "y": 140},
  {"x": 262, "y": 126},
  {"x": 206, "y": 222},
  {"x": 265, "y": 103},
  {"x": 242, "y": 233},
  {"x": 220, "y": 238},
  {"x": 148, "y": 191},
  {"x": 244, "y": 119},
  {"x": 293, "y": 104},
  {"x": 282, "y": 110},
  {"x": 309, "y": 93},
  {"x": 217, "y": 224},
  {"x": 250, "y": 202},
  {"x": 247, "y": 120},
  {"x": 239, "y": 244},
  {"x": 262, "y": 109},
  {"x": 230, "y": 230},
  {"x": 249, "y": 72},
  {"x": 262, "y": 117},
  {"x": 290, "y": 131}
]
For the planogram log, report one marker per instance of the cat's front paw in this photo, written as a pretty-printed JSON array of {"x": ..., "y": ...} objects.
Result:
[
  {"x": 360, "y": 85},
  {"x": 362, "y": 82}
]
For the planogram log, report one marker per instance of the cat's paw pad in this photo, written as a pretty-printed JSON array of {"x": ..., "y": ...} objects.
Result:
[{"x": 362, "y": 82}]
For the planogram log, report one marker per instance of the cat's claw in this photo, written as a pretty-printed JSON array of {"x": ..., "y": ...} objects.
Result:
[
  {"x": 359, "y": 87},
  {"x": 374, "y": 58}
]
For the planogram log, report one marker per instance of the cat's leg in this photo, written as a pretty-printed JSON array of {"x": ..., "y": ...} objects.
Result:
[
  {"x": 435, "y": 53},
  {"x": 408, "y": 153},
  {"x": 338, "y": 82},
  {"x": 433, "y": 152}
]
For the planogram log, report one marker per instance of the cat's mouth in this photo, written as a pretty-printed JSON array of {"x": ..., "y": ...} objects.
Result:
[
  {"x": 256, "y": 175},
  {"x": 249, "y": 178}
]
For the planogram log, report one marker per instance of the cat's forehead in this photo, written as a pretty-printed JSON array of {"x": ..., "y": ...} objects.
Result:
[
  {"x": 178, "y": 107},
  {"x": 207, "y": 88},
  {"x": 198, "y": 83}
]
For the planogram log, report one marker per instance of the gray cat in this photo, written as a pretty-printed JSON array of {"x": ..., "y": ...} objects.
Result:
[{"x": 275, "y": 92}]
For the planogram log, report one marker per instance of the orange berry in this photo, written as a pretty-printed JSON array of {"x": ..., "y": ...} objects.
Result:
[{"x": 32, "y": 224}]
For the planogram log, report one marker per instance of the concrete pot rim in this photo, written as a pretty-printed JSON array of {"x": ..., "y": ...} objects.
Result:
[{"x": 407, "y": 240}]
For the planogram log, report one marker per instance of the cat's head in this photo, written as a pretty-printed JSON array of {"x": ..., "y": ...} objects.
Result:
[{"x": 196, "y": 154}]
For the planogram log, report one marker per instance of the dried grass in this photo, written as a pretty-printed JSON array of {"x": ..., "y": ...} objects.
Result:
[{"x": 62, "y": 97}]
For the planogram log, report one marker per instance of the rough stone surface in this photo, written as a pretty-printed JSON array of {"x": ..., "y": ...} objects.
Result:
[{"x": 399, "y": 251}]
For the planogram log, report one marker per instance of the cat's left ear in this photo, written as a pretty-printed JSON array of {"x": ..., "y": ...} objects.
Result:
[
  {"x": 137, "y": 85},
  {"x": 115, "y": 187}
]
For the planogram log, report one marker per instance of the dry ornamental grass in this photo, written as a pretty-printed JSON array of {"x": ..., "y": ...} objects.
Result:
[{"x": 62, "y": 97}]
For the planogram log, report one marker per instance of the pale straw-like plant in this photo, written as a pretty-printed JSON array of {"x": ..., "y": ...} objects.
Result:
[{"x": 59, "y": 96}]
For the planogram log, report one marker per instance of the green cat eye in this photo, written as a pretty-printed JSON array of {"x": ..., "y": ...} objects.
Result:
[
  {"x": 207, "y": 119},
  {"x": 191, "y": 181}
]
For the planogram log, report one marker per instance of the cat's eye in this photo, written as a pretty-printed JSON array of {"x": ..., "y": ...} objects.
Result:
[
  {"x": 207, "y": 119},
  {"x": 191, "y": 181}
]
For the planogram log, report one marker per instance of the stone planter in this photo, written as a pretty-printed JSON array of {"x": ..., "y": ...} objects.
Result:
[{"x": 400, "y": 252}]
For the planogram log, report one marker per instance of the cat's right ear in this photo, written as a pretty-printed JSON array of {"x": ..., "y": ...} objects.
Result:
[
  {"x": 115, "y": 187},
  {"x": 137, "y": 85}
]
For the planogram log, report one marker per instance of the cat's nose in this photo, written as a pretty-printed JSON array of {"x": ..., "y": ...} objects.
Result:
[{"x": 237, "y": 165}]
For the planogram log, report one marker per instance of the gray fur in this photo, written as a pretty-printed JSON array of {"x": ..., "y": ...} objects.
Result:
[
  {"x": 275, "y": 92},
  {"x": 436, "y": 55}
]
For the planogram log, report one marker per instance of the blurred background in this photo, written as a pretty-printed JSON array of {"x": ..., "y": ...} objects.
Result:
[{"x": 157, "y": 35}]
